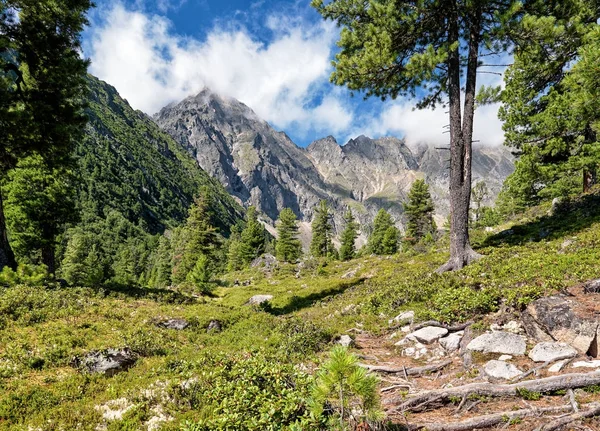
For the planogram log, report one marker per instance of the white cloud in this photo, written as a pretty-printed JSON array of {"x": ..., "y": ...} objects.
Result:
[{"x": 151, "y": 66}]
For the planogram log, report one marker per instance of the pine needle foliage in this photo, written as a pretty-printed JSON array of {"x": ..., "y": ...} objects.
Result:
[
  {"x": 348, "y": 248},
  {"x": 348, "y": 388},
  {"x": 288, "y": 247},
  {"x": 322, "y": 230},
  {"x": 419, "y": 210}
]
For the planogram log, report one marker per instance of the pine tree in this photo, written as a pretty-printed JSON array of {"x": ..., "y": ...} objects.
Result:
[
  {"x": 419, "y": 211},
  {"x": 288, "y": 247},
  {"x": 389, "y": 242},
  {"x": 480, "y": 192},
  {"x": 39, "y": 204},
  {"x": 391, "y": 48},
  {"x": 349, "y": 235},
  {"x": 322, "y": 232},
  {"x": 253, "y": 237},
  {"x": 380, "y": 240},
  {"x": 42, "y": 86},
  {"x": 196, "y": 238},
  {"x": 82, "y": 263}
]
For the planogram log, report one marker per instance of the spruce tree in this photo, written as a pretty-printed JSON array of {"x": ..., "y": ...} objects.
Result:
[
  {"x": 380, "y": 240},
  {"x": 419, "y": 211},
  {"x": 288, "y": 247},
  {"x": 480, "y": 192},
  {"x": 195, "y": 239},
  {"x": 349, "y": 235},
  {"x": 253, "y": 237},
  {"x": 42, "y": 86},
  {"x": 322, "y": 231}
]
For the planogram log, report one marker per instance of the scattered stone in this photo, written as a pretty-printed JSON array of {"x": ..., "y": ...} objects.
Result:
[
  {"x": 393, "y": 335},
  {"x": 348, "y": 309},
  {"x": 560, "y": 318},
  {"x": 501, "y": 370},
  {"x": 548, "y": 351},
  {"x": 495, "y": 327},
  {"x": 558, "y": 366},
  {"x": 352, "y": 273},
  {"x": 405, "y": 329},
  {"x": 259, "y": 299},
  {"x": 567, "y": 243},
  {"x": 108, "y": 362},
  {"x": 114, "y": 410},
  {"x": 587, "y": 364},
  {"x": 409, "y": 351},
  {"x": 402, "y": 318},
  {"x": 423, "y": 351},
  {"x": 214, "y": 326},
  {"x": 428, "y": 334},
  {"x": 452, "y": 342},
  {"x": 592, "y": 286},
  {"x": 505, "y": 358},
  {"x": 513, "y": 327},
  {"x": 159, "y": 418},
  {"x": 346, "y": 340},
  {"x": 499, "y": 342},
  {"x": 402, "y": 342},
  {"x": 177, "y": 324}
]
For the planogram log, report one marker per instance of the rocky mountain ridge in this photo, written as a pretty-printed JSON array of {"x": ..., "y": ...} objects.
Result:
[{"x": 264, "y": 167}]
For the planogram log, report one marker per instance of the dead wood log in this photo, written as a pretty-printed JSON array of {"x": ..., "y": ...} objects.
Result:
[
  {"x": 487, "y": 421},
  {"x": 548, "y": 384},
  {"x": 450, "y": 328},
  {"x": 593, "y": 410},
  {"x": 416, "y": 371}
]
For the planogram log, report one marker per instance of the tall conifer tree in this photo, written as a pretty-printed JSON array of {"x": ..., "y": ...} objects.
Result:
[
  {"x": 349, "y": 235},
  {"x": 322, "y": 230},
  {"x": 419, "y": 211},
  {"x": 288, "y": 247}
]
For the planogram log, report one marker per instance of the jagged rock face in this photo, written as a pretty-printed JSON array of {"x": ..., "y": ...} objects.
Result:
[
  {"x": 257, "y": 164},
  {"x": 263, "y": 167}
]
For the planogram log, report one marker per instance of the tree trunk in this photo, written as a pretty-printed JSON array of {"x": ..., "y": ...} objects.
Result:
[
  {"x": 7, "y": 257},
  {"x": 589, "y": 179},
  {"x": 48, "y": 258},
  {"x": 461, "y": 137}
]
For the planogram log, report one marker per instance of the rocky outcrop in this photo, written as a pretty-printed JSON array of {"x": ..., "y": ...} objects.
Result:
[
  {"x": 263, "y": 167},
  {"x": 108, "y": 362}
]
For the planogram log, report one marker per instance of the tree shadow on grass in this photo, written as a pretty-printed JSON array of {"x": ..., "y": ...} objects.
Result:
[
  {"x": 299, "y": 302},
  {"x": 166, "y": 296},
  {"x": 569, "y": 217}
]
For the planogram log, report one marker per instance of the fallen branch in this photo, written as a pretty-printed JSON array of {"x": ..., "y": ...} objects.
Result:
[
  {"x": 391, "y": 388},
  {"x": 548, "y": 384},
  {"x": 544, "y": 365},
  {"x": 487, "y": 421},
  {"x": 416, "y": 371},
  {"x": 594, "y": 410},
  {"x": 572, "y": 400},
  {"x": 450, "y": 328}
]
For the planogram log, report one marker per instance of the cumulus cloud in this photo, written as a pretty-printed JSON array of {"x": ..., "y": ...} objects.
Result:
[{"x": 151, "y": 66}]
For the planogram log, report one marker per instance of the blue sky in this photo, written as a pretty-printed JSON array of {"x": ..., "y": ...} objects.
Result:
[{"x": 273, "y": 55}]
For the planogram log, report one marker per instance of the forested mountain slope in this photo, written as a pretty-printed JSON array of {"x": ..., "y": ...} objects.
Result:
[{"x": 129, "y": 165}]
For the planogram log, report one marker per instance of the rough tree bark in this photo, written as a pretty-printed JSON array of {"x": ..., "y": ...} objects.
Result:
[
  {"x": 7, "y": 257},
  {"x": 461, "y": 138}
]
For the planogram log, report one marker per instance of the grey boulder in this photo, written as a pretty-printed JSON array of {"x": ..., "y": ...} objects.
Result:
[
  {"x": 499, "y": 342},
  {"x": 108, "y": 362},
  {"x": 259, "y": 299},
  {"x": 550, "y": 351},
  {"x": 501, "y": 370},
  {"x": 177, "y": 324},
  {"x": 428, "y": 334},
  {"x": 452, "y": 342}
]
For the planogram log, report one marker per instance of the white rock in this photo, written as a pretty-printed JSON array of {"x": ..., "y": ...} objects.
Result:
[
  {"x": 402, "y": 342},
  {"x": 452, "y": 342},
  {"x": 115, "y": 409},
  {"x": 505, "y": 358},
  {"x": 499, "y": 342},
  {"x": 495, "y": 327},
  {"x": 428, "y": 334},
  {"x": 501, "y": 370},
  {"x": 421, "y": 352},
  {"x": 514, "y": 327},
  {"x": 587, "y": 364},
  {"x": 394, "y": 335},
  {"x": 409, "y": 351},
  {"x": 259, "y": 299},
  {"x": 548, "y": 351},
  {"x": 556, "y": 367},
  {"x": 404, "y": 317},
  {"x": 405, "y": 329},
  {"x": 346, "y": 340}
]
